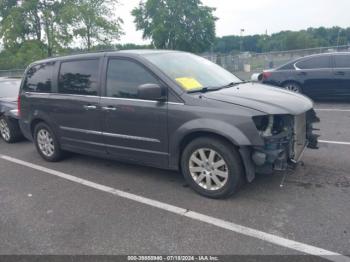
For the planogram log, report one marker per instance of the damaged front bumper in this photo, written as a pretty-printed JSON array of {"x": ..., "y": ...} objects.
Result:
[{"x": 285, "y": 137}]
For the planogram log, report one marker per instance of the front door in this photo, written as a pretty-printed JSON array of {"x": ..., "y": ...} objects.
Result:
[{"x": 133, "y": 129}]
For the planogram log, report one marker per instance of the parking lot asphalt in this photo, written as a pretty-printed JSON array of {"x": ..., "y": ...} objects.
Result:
[{"x": 45, "y": 214}]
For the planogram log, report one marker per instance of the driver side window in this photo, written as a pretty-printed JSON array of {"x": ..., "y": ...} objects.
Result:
[{"x": 124, "y": 77}]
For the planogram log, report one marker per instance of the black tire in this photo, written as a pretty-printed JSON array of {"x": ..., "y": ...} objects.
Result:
[
  {"x": 293, "y": 87},
  {"x": 228, "y": 153},
  {"x": 57, "y": 152},
  {"x": 14, "y": 132}
]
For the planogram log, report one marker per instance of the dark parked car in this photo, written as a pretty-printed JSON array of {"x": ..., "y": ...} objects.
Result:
[
  {"x": 165, "y": 109},
  {"x": 9, "y": 128},
  {"x": 324, "y": 76}
]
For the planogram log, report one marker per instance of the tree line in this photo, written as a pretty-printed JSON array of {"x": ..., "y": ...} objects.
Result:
[
  {"x": 284, "y": 40},
  {"x": 34, "y": 29}
]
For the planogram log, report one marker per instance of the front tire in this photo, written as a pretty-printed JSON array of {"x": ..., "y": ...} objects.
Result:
[
  {"x": 212, "y": 167},
  {"x": 47, "y": 143},
  {"x": 9, "y": 130}
]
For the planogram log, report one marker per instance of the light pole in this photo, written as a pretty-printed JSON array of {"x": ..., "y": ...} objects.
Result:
[
  {"x": 241, "y": 47},
  {"x": 338, "y": 38}
]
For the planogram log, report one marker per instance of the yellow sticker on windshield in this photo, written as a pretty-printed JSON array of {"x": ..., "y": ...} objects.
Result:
[{"x": 189, "y": 83}]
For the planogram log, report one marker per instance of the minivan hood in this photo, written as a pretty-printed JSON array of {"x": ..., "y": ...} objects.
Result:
[{"x": 270, "y": 100}]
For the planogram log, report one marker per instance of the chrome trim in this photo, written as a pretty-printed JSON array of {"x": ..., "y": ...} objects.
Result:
[
  {"x": 175, "y": 103},
  {"x": 132, "y": 137},
  {"x": 106, "y": 108},
  {"x": 88, "y": 107},
  {"x": 86, "y": 131},
  {"x": 295, "y": 66},
  {"x": 106, "y": 97},
  {"x": 113, "y": 146},
  {"x": 61, "y": 94},
  {"x": 130, "y": 99},
  {"x": 36, "y": 93}
]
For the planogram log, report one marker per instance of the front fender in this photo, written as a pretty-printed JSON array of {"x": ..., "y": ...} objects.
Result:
[{"x": 217, "y": 127}]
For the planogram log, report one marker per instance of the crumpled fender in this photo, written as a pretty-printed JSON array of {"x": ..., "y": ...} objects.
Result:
[{"x": 224, "y": 129}]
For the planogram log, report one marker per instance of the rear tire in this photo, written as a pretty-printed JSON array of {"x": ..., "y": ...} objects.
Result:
[
  {"x": 9, "y": 130},
  {"x": 47, "y": 143},
  {"x": 293, "y": 87},
  {"x": 212, "y": 167}
]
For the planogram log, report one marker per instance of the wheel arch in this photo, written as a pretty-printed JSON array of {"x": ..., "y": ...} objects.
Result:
[{"x": 214, "y": 128}]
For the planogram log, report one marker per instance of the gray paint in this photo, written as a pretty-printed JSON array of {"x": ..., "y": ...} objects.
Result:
[{"x": 163, "y": 125}]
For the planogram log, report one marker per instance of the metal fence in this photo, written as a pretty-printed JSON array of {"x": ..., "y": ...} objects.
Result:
[
  {"x": 12, "y": 73},
  {"x": 246, "y": 63}
]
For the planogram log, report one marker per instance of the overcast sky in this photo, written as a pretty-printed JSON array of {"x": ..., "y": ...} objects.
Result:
[{"x": 256, "y": 16}]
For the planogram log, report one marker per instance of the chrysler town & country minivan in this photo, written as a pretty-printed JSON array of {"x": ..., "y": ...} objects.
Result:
[{"x": 166, "y": 109}]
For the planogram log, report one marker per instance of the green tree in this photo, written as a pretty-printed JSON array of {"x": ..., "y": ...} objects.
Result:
[
  {"x": 176, "y": 24},
  {"x": 39, "y": 20},
  {"x": 93, "y": 21}
]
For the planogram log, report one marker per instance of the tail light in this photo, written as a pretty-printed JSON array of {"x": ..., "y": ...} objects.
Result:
[
  {"x": 19, "y": 105},
  {"x": 266, "y": 75}
]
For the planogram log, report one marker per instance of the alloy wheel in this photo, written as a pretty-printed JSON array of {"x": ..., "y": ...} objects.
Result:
[
  {"x": 292, "y": 87},
  {"x": 208, "y": 169},
  {"x": 5, "y": 130},
  {"x": 45, "y": 142}
]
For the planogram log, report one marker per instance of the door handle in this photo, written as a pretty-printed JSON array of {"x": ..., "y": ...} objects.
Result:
[
  {"x": 109, "y": 108},
  {"x": 339, "y": 73},
  {"x": 302, "y": 74},
  {"x": 90, "y": 107}
]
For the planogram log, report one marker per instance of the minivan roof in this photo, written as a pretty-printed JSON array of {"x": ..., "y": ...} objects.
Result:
[{"x": 135, "y": 52}]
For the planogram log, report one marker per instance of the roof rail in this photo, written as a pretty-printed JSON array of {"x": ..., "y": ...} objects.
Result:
[{"x": 85, "y": 52}]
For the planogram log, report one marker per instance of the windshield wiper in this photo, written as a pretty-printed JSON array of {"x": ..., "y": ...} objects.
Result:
[
  {"x": 232, "y": 84},
  {"x": 216, "y": 88},
  {"x": 204, "y": 90}
]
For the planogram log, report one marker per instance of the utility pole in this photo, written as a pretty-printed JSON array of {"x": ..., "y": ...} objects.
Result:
[
  {"x": 241, "y": 47},
  {"x": 338, "y": 38}
]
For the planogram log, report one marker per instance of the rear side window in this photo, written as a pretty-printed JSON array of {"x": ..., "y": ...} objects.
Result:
[
  {"x": 342, "y": 61},
  {"x": 124, "y": 77},
  {"x": 79, "y": 77},
  {"x": 38, "y": 78},
  {"x": 318, "y": 62}
]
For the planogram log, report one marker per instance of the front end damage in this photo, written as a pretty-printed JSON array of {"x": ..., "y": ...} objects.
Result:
[{"x": 285, "y": 139}]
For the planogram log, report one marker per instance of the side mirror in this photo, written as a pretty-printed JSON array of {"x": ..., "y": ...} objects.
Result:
[{"x": 151, "y": 92}]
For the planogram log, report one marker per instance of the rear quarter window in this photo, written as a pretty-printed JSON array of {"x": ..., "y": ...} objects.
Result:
[
  {"x": 289, "y": 66},
  {"x": 39, "y": 78}
]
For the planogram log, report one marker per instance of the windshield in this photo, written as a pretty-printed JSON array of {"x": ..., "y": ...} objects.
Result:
[
  {"x": 192, "y": 72},
  {"x": 9, "y": 88}
]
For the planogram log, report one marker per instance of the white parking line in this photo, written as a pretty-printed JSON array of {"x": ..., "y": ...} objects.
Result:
[
  {"x": 280, "y": 241},
  {"x": 334, "y": 142},
  {"x": 332, "y": 110}
]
